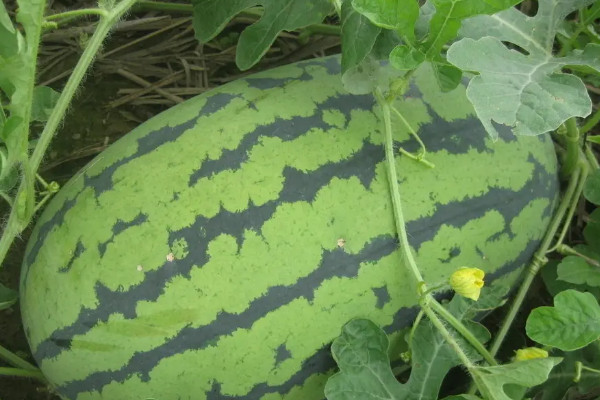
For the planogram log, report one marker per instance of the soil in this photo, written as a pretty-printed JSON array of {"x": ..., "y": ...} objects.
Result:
[{"x": 150, "y": 48}]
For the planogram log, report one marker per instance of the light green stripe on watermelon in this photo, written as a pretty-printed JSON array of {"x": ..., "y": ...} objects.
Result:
[{"x": 217, "y": 326}]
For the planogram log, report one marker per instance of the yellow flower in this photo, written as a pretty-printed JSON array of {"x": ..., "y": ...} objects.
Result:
[
  {"x": 529, "y": 353},
  {"x": 467, "y": 282}
]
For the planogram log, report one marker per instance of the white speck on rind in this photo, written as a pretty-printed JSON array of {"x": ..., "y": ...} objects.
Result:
[
  {"x": 140, "y": 268},
  {"x": 170, "y": 257},
  {"x": 341, "y": 242}
]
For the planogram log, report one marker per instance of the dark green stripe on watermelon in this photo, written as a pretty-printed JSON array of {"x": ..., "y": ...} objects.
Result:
[{"x": 295, "y": 165}]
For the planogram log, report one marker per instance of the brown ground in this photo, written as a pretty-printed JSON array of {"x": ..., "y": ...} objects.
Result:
[{"x": 151, "y": 48}]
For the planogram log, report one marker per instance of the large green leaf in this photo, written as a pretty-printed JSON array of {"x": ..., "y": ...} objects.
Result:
[
  {"x": 211, "y": 16},
  {"x": 493, "y": 382},
  {"x": 362, "y": 355},
  {"x": 445, "y": 23},
  {"x": 572, "y": 323},
  {"x": 523, "y": 87},
  {"x": 361, "y": 352},
  {"x": 391, "y": 14},
  {"x": 358, "y": 35}
]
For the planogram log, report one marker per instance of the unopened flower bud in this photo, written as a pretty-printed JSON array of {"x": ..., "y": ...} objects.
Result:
[{"x": 530, "y": 353}]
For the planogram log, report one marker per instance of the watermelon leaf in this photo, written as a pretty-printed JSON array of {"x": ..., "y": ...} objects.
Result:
[
  {"x": 571, "y": 324},
  {"x": 358, "y": 35},
  {"x": 361, "y": 352},
  {"x": 211, "y": 16},
  {"x": 494, "y": 382},
  {"x": 591, "y": 190},
  {"x": 362, "y": 355},
  {"x": 8, "y": 297},
  {"x": 522, "y": 86},
  {"x": 394, "y": 15},
  {"x": 575, "y": 269},
  {"x": 445, "y": 23},
  {"x": 44, "y": 100},
  {"x": 591, "y": 232}
]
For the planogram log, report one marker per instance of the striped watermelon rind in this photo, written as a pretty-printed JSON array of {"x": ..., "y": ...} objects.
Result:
[{"x": 251, "y": 187}]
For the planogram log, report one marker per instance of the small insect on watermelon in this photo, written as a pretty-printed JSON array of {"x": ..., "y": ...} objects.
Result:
[{"x": 260, "y": 215}]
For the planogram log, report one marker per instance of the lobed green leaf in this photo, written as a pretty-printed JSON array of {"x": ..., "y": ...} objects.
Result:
[{"x": 522, "y": 87}]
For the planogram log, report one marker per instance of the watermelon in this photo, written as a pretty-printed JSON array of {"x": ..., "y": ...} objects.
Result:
[{"x": 215, "y": 251}]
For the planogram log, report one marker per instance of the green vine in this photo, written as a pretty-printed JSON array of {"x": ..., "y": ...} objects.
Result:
[{"x": 429, "y": 305}]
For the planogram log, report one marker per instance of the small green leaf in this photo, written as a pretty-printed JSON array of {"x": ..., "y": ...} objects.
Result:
[
  {"x": 358, "y": 37},
  {"x": 8, "y": 297},
  {"x": 572, "y": 323},
  {"x": 493, "y": 381},
  {"x": 211, "y": 16},
  {"x": 523, "y": 89},
  {"x": 554, "y": 286},
  {"x": 44, "y": 100},
  {"x": 385, "y": 43},
  {"x": 591, "y": 232},
  {"x": 368, "y": 75},
  {"x": 8, "y": 34},
  {"x": 576, "y": 270},
  {"x": 405, "y": 58},
  {"x": 591, "y": 190},
  {"x": 391, "y": 14},
  {"x": 594, "y": 139},
  {"x": 447, "y": 76}
]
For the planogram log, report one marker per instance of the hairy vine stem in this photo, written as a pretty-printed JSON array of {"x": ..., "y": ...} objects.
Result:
[
  {"x": 16, "y": 223},
  {"x": 427, "y": 301},
  {"x": 577, "y": 165}
]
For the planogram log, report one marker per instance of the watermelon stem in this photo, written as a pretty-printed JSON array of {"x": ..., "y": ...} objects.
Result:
[
  {"x": 395, "y": 193},
  {"x": 568, "y": 202},
  {"x": 447, "y": 335},
  {"x": 420, "y": 157},
  {"x": 25, "y": 373},
  {"x": 569, "y": 251},
  {"x": 464, "y": 331},
  {"x": 15, "y": 360},
  {"x": 572, "y": 155},
  {"x": 573, "y": 207},
  {"x": 21, "y": 213},
  {"x": 427, "y": 301}
]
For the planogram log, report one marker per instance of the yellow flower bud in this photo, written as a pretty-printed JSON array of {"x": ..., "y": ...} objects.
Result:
[
  {"x": 467, "y": 282},
  {"x": 530, "y": 353}
]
